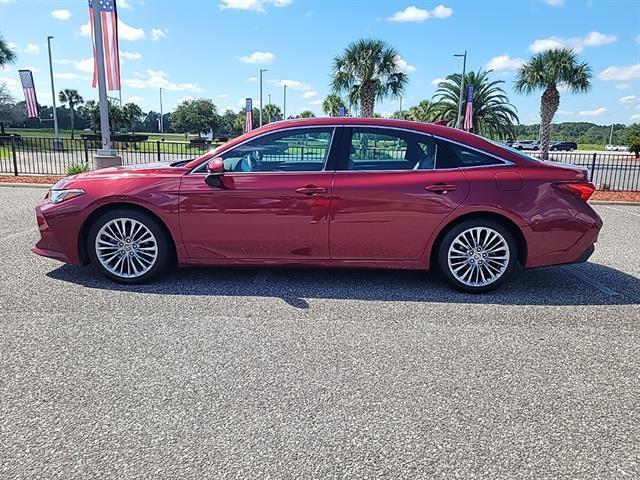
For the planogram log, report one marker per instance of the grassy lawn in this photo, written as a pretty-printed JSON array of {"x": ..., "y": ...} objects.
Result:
[{"x": 590, "y": 146}]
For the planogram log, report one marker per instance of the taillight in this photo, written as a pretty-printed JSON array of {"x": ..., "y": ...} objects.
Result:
[{"x": 582, "y": 190}]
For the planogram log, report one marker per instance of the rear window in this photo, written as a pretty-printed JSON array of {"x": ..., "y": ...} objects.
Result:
[{"x": 451, "y": 155}]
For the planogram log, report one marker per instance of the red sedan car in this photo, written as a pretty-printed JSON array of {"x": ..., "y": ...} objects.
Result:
[{"x": 330, "y": 192}]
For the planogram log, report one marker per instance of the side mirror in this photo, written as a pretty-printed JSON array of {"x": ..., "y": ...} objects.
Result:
[{"x": 215, "y": 168}]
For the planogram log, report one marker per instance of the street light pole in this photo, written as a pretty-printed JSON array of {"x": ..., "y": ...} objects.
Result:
[
  {"x": 161, "y": 115},
  {"x": 464, "y": 71},
  {"x": 57, "y": 144},
  {"x": 262, "y": 70},
  {"x": 284, "y": 104}
]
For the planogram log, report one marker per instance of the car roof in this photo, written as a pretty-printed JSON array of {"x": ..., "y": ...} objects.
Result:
[{"x": 448, "y": 133}]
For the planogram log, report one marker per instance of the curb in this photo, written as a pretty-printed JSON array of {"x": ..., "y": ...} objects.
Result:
[
  {"x": 612, "y": 202},
  {"x": 26, "y": 185}
]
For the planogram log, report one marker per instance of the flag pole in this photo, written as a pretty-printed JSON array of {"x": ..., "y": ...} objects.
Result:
[
  {"x": 464, "y": 71},
  {"x": 57, "y": 144},
  {"x": 102, "y": 84},
  {"x": 161, "y": 115}
]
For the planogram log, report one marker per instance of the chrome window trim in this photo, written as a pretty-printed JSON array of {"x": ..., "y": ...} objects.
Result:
[
  {"x": 333, "y": 136},
  {"x": 503, "y": 162}
]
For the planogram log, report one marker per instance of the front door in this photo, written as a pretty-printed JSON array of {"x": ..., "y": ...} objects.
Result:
[
  {"x": 388, "y": 197},
  {"x": 274, "y": 202}
]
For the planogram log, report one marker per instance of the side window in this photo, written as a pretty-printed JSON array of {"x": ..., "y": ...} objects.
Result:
[
  {"x": 300, "y": 150},
  {"x": 381, "y": 149},
  {"x": 451, "y": 155}
]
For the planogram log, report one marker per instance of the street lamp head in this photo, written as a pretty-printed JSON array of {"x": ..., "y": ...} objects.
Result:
[{"x": 49, "y": 37}]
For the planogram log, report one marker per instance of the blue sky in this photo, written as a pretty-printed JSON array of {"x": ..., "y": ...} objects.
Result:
[{"x": 214, "y": 48}]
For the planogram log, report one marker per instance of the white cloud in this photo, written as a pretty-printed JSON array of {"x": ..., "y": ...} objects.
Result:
[
  {"x": 554, "y": 3},
  {"x": 130, "y": 55},
  {"x": 635, "y": 118},
  {"x": 222, "y": 95},
  {"x": 70, "y": 76},
  {"x": 7, "y": 1},
  {"x": 438, "y": 81},
  {"x": 125, "y": 32},
  {"x": 31, "y": 48},
  {"x": 623, "y": 86},
  {"x": 158, "y": 34},
  {"x": 156, "y": 79},
  {"x": 61, "y": 14},
  {"x": 124, "y": 4},
  {"x": 504, "y": 62},
  {"x": 628, "y": 100},
  {"x": 85, "y": 65},
  {"x": 577, "y": 44},
  {"x": 252, "y": 5},
  {"x": 292, "y": 84},
  {"x": 12, "y": 84},
  {"x": 316, "y": 102},
  {"x": 565, "y": 112},
  {"x": 593, "y": 113},
  {"x": 258, "y": 58},
  {"x": 309, "y": 94},
  {"x": 419, "y": 15},
  {"x": 252, "y": 79},
  {"x": 404, "y": 65},
  {"x": 623, "y": 74},
  {"x": 638, "y": 39}
]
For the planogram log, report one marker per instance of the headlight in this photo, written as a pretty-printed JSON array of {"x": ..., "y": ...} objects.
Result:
[{"x": 57, "y": 196}]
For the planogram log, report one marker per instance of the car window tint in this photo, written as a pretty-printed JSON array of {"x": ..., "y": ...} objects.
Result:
[
  {"x": 300, "y": 150},
  {"x": 380, "y": 149},
  {"x": 451, "y": 155}
]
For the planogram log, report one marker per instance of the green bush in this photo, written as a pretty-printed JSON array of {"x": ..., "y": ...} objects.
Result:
[
  {"x": 634, "y": 147},
  {"x": 78, "y": 168}
]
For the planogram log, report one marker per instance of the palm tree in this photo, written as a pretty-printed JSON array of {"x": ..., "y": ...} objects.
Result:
[
  {"x": 271, "y": 112},
  {"x": 493, "y": 115},
  {"x": 547, "y": 71},
  {"x": 7, "y": 55},
  {"x": 71, "y": 98},
  {"x": 133, "y": 113},
  {"x": 306, "y": 114},
  {"x": 423, "y": 112},
  {"x": 368, "y": 71},
  {"x": 331, "y": 105}
]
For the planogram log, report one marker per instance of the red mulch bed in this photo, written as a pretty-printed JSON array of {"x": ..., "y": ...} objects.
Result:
[
  {"x": 606, "y": 196},
  {"x": 42, "y": 179},
  {"x": 51, "y": 179}
]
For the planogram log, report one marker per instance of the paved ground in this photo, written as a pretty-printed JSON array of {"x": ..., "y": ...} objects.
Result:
[{"x": 225, "y": 373}]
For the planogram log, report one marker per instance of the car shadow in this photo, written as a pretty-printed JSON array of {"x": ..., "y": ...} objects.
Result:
[{"x": 565, "y": 285}]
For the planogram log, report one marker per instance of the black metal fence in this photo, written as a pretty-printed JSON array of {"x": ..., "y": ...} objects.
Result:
[
  {"x": 608, "y": 171},
  {"x": 44, "y": 156},
  {"x": 31, "y": 155}
]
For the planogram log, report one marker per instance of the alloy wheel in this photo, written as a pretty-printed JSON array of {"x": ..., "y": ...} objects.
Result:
[
  {"x": 126, "y": 248},
  {"x": 478, "y": 256}
]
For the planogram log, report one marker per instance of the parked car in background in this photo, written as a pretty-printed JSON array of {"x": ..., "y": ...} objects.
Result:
[
  {"x": 328, "y": 192},
  {"x": 616, "y": 148},
  {"x": 563, "y": 146},
  {"x": 526, "y": 145}
]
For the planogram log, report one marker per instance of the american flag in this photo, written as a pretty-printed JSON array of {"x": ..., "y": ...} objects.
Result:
[
  {"x": 109, "y": 20},
  {"x": 468, "y": 114},
  {"x": 26, "y": 77},
  {"x": 248, "y": 126}
]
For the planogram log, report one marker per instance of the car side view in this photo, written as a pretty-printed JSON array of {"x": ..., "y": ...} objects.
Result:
[{"x": 329, "y": 192}]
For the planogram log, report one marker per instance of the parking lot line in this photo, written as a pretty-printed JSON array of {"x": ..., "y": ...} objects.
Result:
[
  {"x": 590, "y": 281},
  {"x": 621, "y": 211}
]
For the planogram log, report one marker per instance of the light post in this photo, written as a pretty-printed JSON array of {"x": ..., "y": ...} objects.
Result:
[
  {"x": 464, "y": 71},
  {"x": 400, "y": 105},
  {"x": 284, "y": 104},
  {"x": 270, "y": 108},
  {"x": 262, "y": 70},
  {"x": 57, "y": 143},
  {"x": 161, "y": 119}
]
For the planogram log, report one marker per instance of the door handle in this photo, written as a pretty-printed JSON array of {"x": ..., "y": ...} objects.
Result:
[
  {"x": 441, "y": 188},
  {"x": 312, "y": 190}
]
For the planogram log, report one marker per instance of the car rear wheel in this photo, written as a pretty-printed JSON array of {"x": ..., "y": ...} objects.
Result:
[
  {"x": 128, "y": 246},
  {"x": 478, "y": 255}
]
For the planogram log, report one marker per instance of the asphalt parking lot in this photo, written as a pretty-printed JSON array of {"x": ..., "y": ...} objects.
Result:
[{"x": 251, "y": 373}]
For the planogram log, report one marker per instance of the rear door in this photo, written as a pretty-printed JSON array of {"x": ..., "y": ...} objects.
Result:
[{"x": 388, "y": 195}]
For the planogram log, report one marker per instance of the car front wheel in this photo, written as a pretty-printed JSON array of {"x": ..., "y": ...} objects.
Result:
[
  {"x": 128, "y": 246},
  {"x": 478, "y": 255}
]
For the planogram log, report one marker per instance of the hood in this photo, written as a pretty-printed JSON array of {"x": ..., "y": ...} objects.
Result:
[{"x": 128, "y": 171}]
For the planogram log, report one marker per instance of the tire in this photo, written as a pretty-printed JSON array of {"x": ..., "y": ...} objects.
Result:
[
  {"x": 456, "y": 267},
  {"x": 144, "y": 254}
]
